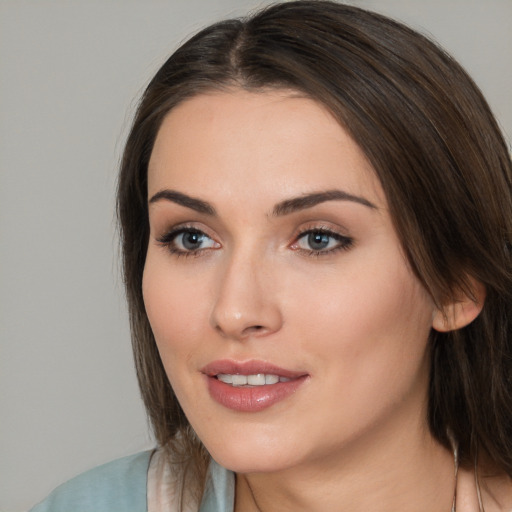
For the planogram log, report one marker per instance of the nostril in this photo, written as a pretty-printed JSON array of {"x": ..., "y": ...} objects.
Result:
[{"x": 253, "y": 329}]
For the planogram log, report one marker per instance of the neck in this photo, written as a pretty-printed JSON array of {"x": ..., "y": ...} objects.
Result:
[{"x": 387, "y": 473}]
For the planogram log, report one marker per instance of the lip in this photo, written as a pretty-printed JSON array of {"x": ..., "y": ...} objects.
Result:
[{"x": 250, "y": 399}]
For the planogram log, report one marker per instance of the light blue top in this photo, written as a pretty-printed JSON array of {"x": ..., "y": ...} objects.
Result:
[{"x": 121, "y": 486}]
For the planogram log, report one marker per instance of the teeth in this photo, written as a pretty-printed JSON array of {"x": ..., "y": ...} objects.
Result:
[
  {"x": 258, "y": 379},
  {"x": 271, "y": 379},
  {"x": 239, "y": 380}
]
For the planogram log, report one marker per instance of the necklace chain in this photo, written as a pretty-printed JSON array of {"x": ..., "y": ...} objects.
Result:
[{"x": 456, "y": 464}]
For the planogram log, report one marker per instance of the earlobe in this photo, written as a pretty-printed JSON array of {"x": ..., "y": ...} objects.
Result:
[{"x": 462, "y": 311}]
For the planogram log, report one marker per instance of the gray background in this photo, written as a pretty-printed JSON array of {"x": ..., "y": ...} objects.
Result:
[{"x": 70, "y": 74}]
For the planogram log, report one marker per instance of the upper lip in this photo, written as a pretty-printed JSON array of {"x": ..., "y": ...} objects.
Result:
[{"x": 251, "y": 367}]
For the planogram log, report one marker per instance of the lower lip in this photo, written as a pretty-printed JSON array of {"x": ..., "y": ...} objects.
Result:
[{"x": 252, "y": 399}]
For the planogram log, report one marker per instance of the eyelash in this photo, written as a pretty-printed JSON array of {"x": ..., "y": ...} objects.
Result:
[
  {"x": 344, "y": 243},
  {"x": 169, "y": 238}
]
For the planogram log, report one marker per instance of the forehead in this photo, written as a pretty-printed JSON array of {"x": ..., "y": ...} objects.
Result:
[{"x": 237, "y": 142}]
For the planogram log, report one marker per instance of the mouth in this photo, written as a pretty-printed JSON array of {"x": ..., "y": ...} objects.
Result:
[
  {"x": 257, "y": 379},
  {"x": 250, "y": 386}
]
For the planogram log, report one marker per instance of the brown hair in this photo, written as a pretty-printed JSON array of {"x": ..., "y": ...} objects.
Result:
[{"x": 438, "y": 152}]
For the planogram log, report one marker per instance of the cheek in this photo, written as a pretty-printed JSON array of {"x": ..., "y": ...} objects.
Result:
[
  {"x": 368, "y": 347},
  {"x": 172, "y": 306},
  {"x": 371, "y": 323}
]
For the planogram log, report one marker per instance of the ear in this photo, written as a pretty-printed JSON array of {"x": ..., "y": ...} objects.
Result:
[{"x": 462, "y": 311}]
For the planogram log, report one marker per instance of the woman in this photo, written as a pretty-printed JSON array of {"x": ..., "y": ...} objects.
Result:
[{"x": 315, "y": 209}]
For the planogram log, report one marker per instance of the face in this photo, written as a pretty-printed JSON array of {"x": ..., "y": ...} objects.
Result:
[{"x": 290, "y": 326}]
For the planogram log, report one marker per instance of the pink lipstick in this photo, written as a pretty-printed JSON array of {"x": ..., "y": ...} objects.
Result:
[{"x": 250, "y": 386}]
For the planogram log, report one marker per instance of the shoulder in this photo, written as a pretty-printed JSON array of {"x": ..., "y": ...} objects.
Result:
[
  {"x": 490, "y": 489},
  {"x": 496, "y": 491},
  {"x": 119, "y": 485}
]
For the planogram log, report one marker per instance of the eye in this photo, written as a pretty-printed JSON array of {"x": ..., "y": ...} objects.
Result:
[
  {"x": 321, "y": 241},
  {"x": 185, "y": 241}
]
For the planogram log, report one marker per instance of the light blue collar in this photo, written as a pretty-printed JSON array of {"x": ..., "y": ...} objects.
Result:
[{"x": 219, "y": 495}]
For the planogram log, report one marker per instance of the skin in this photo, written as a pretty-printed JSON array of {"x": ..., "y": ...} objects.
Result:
[{"x": 356, "y": 320}]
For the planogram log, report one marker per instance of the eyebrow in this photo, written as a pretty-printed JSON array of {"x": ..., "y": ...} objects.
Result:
[
  {"x": 184, "y": 200},
  {"x": 310, "y": 200},
  {"x": 283, "y": 208}
]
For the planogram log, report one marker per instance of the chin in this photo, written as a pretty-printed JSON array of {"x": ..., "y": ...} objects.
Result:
[
  {"x": 245, "y": 462},
  {"x": 243, "y": 455}
]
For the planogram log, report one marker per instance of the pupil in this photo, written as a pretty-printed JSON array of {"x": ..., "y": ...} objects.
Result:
[
  {"x": 318, "y": 240},
  {"x": 192, "y": 240}
]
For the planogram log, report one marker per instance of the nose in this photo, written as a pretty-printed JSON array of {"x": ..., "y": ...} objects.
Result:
[{"x": 246, "y": 302}]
